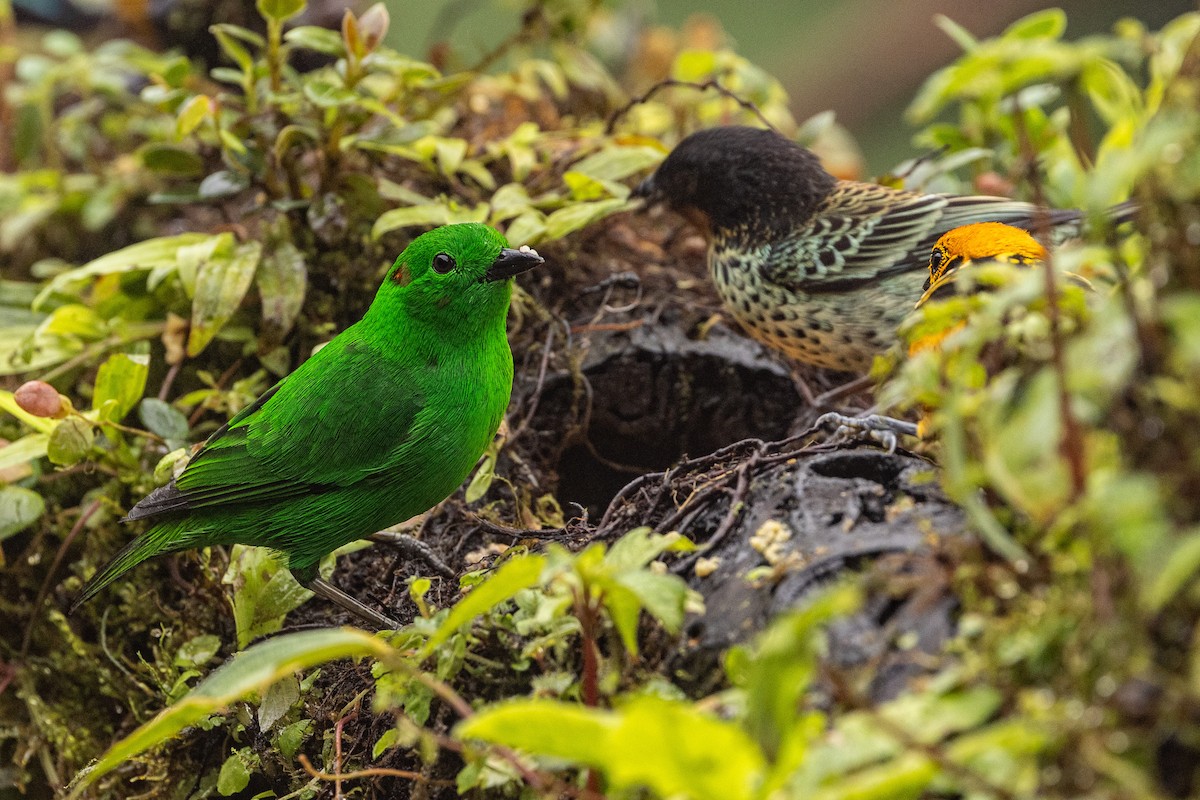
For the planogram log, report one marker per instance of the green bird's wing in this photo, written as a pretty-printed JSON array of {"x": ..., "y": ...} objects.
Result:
[
  {"x": 864, "y": 233},
  {"x": 341, "y": 417}
]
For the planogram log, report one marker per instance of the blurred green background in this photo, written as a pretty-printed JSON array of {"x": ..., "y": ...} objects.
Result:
[{"x": 861, "y": 58}]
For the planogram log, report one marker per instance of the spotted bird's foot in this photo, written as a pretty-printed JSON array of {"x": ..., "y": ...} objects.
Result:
[{"x": 876, "y": 427}]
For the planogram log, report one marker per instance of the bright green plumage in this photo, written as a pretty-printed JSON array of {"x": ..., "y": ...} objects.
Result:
[{"x": 378, "y": 426}]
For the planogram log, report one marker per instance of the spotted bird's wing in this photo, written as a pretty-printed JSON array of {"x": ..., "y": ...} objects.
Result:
[
  {"x": 339, "y": 418},
  {"x": 864, "y": 233}
]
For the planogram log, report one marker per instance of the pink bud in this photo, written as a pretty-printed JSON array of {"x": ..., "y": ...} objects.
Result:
[{"x": 40, "y": 399}]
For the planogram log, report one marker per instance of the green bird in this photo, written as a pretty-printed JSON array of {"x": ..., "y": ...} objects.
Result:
[{"x": 379, "y": 425}]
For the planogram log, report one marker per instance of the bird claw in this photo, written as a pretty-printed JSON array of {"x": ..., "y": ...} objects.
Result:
[
  {"x": 325, "y": 589},
  {"x": 878, "y": 428}
]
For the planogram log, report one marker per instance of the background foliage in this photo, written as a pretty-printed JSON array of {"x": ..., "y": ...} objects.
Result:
[{"x": 175, "y": 238}]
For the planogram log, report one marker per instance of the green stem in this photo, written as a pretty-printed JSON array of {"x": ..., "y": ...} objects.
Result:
[{"x": 274, "y": 52}]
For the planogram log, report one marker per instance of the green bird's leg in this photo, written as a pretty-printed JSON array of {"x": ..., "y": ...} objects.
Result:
[
  {"x": 415, "y": 549},
  {"x": 323, "y": 588}
]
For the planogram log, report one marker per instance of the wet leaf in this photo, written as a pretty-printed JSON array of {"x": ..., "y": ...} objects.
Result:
[{"x": 221, "y": 283}]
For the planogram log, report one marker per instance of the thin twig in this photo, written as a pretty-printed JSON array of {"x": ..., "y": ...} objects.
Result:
[
  {"x": 699, "y": 86},
  {"x": 92, "y": 507},
  {"x": 372, "y": 772},
  {"x": 1071, "y": 445}
]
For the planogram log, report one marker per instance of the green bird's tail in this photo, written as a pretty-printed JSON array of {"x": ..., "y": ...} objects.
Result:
[{"x": 157, "y": 541}]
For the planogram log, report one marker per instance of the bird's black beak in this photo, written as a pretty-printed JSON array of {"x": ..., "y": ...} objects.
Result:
[
  {"x": 513, "y": 262},
  {"x": 646, "y": 190}
]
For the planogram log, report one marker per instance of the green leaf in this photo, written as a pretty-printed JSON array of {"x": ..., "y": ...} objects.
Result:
[
  {"x": 169, "y": 159},
  {"x": 282, "y": 279},
  {"x": 227, "y": 36},
  {"x": 528, "y": 228},
  {"x": 389, "y": 739},
  {"x": 662, "y": 596},
  {"x": 23, "y": 450},
  {"x": 221, "y": 283},
  {"x": 70, "y": 441},
  {"x": 1047, "y": 24},
  {"x": 327, "y": 94},
  {"x": 424, "y": 215},
  {"x": 277, "y": 701},
  {"x": 19, "y": 508},
  {"x": 902, "y": 778},
  {"x": 615, "y": 163},
  {"x": 1178, "y": 571},
  {"x": 191, "y": 114},
  {"x": 694, "y": 755},
  {"x": 248, "y": 672},
  {"x": 264, "y": 592},
  {"x": 961, "y": 36},
  {"x": 144, "y": 256},
  {"x": 579, "y": 215},
  {"x": 513, "y": 576},
  {"x": 312, "y": 37},
  {"x": 280, "y": 10},
  {"x": 235, "y": 772},
  {"x": 292, "y": 736},
  {"x": 782, "y": 664},
  {"x": 481, "y": 481},
  {"x": 639, "y": 547},
  {"x": 585, "y": 187},
  {"x": 40, "y": 424},
  {"x": 121, "y": 381},
  {"x": 224, "y": 182},
  {"x": 197, "y": 651},
  {"x": 164, "y": 419}
]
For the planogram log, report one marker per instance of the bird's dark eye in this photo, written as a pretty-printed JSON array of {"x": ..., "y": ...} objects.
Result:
[
  {"x": 443, "y": 263},
  {"x": 935, "y": 261}
]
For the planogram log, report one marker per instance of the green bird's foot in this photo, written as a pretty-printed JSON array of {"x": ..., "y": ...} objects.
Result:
[
  {"x": 415, "y": 549},
  {"x": 323, "y": 588},
  {"x": 876, "y": 427}
]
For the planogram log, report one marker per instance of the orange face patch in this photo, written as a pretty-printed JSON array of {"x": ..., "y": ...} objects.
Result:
[{"x": 402, "y": 276}]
